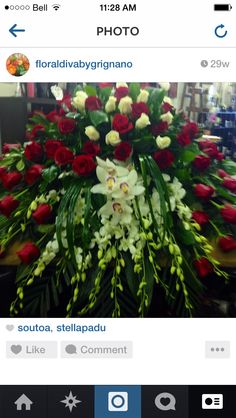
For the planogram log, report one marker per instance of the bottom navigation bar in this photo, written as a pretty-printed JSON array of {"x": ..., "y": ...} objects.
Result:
[{"x": 129, "y": 401}]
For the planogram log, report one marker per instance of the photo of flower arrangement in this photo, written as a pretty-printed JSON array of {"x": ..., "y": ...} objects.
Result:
[
  {"x": 114, "y": 198},
  {"x": 17, "y": 64}
]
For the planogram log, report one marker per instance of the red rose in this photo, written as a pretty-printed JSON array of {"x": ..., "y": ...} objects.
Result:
[
  {"x": 34, "y": 152},
  {"x": 138, "y": 109},
  {"x": 222, "y": 173},
  {"x": 93, "y": 103},
  {"x": 37, "y": 131},
  {"x": 220, "y": 156},
  {"x": 53, "y": 116},
  {"x": 227, "y": 243},
  {"x": 203, "y": 191},
  {"x": 42, "y": 213},
  {"x": 166, "y": 107},
  {"x": 200, "y": 217},
  {"x": 8, "y": 147},
  {"x": 122, "y": 124},
  {"x": 51, "y": 146},
  {"x": 201, "y": 162},
  {"x": 33, "y": 174},
  {"x": 91, "y": 148},
  {"x": 228, "y": 213},
  {"x": 230, "y": 184},
  {"x": 209, "y": 148},
  {"x": 30, "y": 252},
  {"x": 159, "y": 128},
  {"x": 121, "y": 92},
  {"x": 63, "y": 156},
  {"x": 10, "y": 180},
  {"x": 203, "y": 267},
  {"x": 122, "y": 151},
  {"x": 183, "y": 139},
  {"x": 3, "y": 171},
  {"x": 66, "y": 125},
  {"x": 164, "y": 158},
  {"x": 83, "y": 165},
  {"x": 8, "y": 204},
  {"x": 66, "y": 104},
  {"x": 190, "y": 129}
]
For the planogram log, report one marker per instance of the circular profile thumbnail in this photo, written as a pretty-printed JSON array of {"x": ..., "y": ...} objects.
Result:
[{"x": 17, "y": 64}]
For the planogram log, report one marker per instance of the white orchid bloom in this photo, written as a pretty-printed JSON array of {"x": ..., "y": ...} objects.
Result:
[
  {"x": 119, "y": 210},
  {"x": 108, "y": 182},
  {"x": 128, "y": 187},
  {"x": 111, "y": 168}
]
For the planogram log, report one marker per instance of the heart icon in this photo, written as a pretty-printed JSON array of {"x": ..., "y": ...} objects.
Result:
[
  {"x": 9, "y": 327},
  {"x": 16, "y": 349},
  {"x": 165, "y": 401}
]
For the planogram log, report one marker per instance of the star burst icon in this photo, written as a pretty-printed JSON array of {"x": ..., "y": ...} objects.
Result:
[{"x": 71, "y": 401}]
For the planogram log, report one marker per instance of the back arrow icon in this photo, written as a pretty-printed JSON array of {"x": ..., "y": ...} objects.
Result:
[
  {"x": 218, "y": 29},
  {"x": 13, "y": 30}
]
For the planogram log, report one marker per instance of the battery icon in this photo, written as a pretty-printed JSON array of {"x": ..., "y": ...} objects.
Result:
[{"x": 222, "y": 7}]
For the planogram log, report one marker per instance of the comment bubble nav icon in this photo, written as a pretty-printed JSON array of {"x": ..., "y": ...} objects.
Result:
[
  {"x": 71, "y": 349},
  {"x": 165, "y": 401}
]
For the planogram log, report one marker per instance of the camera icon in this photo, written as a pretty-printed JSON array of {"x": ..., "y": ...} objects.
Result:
[{"x": 118, "y": 401}]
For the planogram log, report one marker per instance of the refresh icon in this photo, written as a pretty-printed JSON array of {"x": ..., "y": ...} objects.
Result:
[{"x": 220, "y": 31}]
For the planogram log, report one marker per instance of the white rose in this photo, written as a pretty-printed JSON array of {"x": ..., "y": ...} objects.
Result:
[
  {"x": 121, "y": 85},
  {"x": 92, "y": 133},
  {"x": 167, "y": 100},
  {"x": 113, "y": 138},
  {"x": 163, "y": 142},
  {"x": 167, "y": 117},
  {"x": 142, "y": 122},
  {"x": 165, "y": 86},
  {"x": 125, "y": 105},
  {"x": 111, "y": 104},
  {"x": 79, "y": 100},
  {"x": 143, "y": 96}
]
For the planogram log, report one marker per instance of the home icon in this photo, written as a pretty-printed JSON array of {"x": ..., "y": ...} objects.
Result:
[{"x": 23, "y": 403}]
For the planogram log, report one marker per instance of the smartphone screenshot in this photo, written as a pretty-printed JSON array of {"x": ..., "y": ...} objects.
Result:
[{"x": 117, "y": 209}]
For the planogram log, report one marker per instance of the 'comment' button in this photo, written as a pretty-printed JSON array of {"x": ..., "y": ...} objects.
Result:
[{"x": 97, "y": 349}]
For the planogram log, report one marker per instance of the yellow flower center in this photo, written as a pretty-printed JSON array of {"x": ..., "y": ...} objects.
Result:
[
  {"x": 124, "y": 187},
  {"x": 117, "y": 208},
  {"x": 110, "y": 181}
]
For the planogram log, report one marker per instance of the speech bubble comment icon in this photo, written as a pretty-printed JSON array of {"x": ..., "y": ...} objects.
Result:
[
  {"x": 165, "y": 401},
  {"x": 71, "y": 349}
]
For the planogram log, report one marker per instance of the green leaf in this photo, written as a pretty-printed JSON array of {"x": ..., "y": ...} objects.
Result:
[
  {"x": 155, "y": 100},
  {"x": 97, "y": 117},
  {"x": 73, "y": 115},
  {"x": 86, "y": 228},
  {"x": 144, "y": 145},
  {"x": 20, "y": 165},
  {"x": 134, "y": 90},
  {"x": 189, "y": 153},
  {"x": 229, "y": 166},
  {"x": 90, "y": 90},
  {"x": 44, "y": 229},
  {"x": 50, "y": 174},
  {"x": 184, "y": 236}
]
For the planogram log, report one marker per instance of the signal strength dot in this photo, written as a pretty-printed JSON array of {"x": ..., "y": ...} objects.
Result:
[{"x": 56, "y": 6}]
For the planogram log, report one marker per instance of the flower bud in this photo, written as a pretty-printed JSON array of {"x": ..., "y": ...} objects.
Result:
[
  {"x": 142, "y": 122},
  {"x": 92, "y": 133}
]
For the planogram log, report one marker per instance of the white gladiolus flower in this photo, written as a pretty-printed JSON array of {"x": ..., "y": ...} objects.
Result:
[
  {"x": 163, "y": 142},
  {"x": 165, "y": 86},
  {"x": 142, "y": 122},
  {"x": 113, "y": 138},
  {"x": 167, "y": 117},
  {"x": 143, "y": 96},
  {"x": 79, "y": 100},
  {"x": 121, "y": 84},
  {"x": 92, "y": 133},
  {"x": 125, "y": 105},
  {"x": 57, "y": 92},
  {"x": 111, "y": 104}
]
